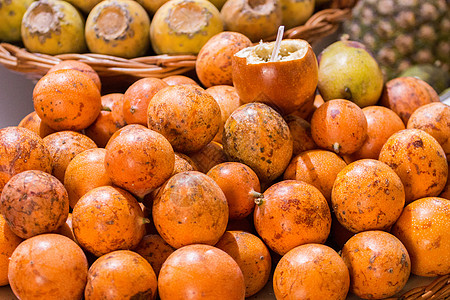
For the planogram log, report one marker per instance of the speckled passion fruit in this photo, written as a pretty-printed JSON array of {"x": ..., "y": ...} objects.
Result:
[
  {"x": 184, "y": 26},
  {"x": 11, "y": 13},
  {"x": 287, "y": 83},
  {"x": 256, "y": 135},
  {"x": 119, "y": 28},
  {"x": 53, "y": 27}
]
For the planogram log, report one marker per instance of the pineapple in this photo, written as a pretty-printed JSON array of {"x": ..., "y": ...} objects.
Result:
[{"x": 401, "y": 33}]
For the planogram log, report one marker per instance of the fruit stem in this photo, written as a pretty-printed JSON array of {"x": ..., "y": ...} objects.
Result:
[
  {"x": 336, "y": 147},
  {"x": 259, "y": 197},
  {"x": 276, "y": 48},
  {"x": 106, "y": 108}
]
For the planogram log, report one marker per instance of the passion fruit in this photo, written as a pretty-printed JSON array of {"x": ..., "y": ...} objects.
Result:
[
  {"x": 184, "y": 26},
  {"x": 53, "y": 27},
  {"x": 286, "y": 81},
  {"x": 119, "y": 28},
  {"x": 11, "y": 13},
  {"x": 258, "y": 136},
  {"x": 296, "y": 12},
  {"x": 256, "y": 19}
]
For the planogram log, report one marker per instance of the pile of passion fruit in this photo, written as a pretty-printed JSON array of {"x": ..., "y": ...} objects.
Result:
[{"x": 274, "y": 169}]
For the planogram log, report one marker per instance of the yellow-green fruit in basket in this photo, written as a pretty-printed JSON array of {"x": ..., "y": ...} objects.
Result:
[
  {"x": 84, "y": 5},
  {"x": 53, "y": 27},
  {"x": 184, "y": 26},
  {"x": 118, "y": 28},
  {"x": 256, "y": 19},
  {"x": 348, "y": 71},
  {"x": 11, "y": 13},
  {"x": 296, "y": 12}
]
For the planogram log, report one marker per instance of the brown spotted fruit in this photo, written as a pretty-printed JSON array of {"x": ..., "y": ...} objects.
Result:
[
  {"x": 53, "y": 27},
  {"x": 186, "y": 115},
  {"x": 252, "y": 256},
  {"x": 67, "y": 99},
  {"x": 406, "y": 94},
  {"x": 213, "y": 64},
  {"x": 367, "y": 195},
  {"x": 339, "y": 125},
  {"x": 433, "y": 118},
  {"x": 311, "y": 271},
  {"x": 316, "y": 167},
  {"x": 184, "y": 26},
  {"x": 419, "y": 161},
  {"x": 200, "y": 271},
  {"x": 190, "y": 208},
  {"x": 424, "y": 229},
  {"x": 286, "y": 81},
  {"x": 119, "y": 28},
  {"x": 378, "y": 262},
  {"x": 48, "y": 266},
  {"x": 34, "y": 202},
  {"x": 35, "y": 124},
  {"x": 256, "y": 135},
  {"x": 21, "y": 150},
  {"x": 106, "y": 219},
  {"x": 138, "y": 159},
  {"x": 291, "y": 213},
  {"x": 132, "y": 275}
]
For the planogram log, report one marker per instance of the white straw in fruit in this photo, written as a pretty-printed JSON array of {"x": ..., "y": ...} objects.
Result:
[{"x": 276, "y": 48}]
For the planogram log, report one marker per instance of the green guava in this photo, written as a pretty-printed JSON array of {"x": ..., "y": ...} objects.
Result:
[{"x": 348, "y": 71}]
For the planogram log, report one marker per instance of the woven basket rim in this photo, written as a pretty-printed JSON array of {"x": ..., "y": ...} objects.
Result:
[
  {"x": 438, "y": 289},
  {"x": 34, "y": 65}
]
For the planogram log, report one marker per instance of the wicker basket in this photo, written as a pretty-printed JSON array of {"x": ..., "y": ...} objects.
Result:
[
  {"x": 116, "y": 69},
  {"x": 438, "y": 289}
]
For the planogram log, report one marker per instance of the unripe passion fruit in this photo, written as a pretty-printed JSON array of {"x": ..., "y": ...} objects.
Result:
[
  {"x": 11, "y": 13},
  {"x": 184, "y": 26},
  {"x": 53, "y": 27},
  {"x": 118, "y": 27},
  {"x": 287, "y": 83}
]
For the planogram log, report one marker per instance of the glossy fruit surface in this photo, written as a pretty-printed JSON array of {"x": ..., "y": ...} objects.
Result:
[
  {"x": 258, "y": 136},
  {"x": 291, "y": 213},
  {"x": 378, "y": 262},
  {"x": 300, "y": 274},
  {"x": 49, "y": 266},
  {"x": 201, "y": 271},
  {"x": 286, "y": 84},
  {"x": 424, "y": 229}
]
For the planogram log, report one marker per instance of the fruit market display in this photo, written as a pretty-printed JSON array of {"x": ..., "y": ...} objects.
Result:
[{"x": 272, "y": 172}]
